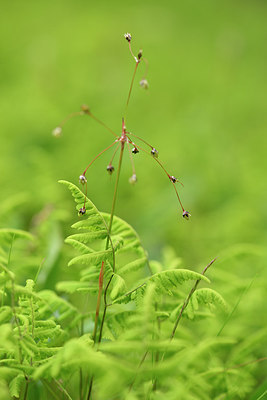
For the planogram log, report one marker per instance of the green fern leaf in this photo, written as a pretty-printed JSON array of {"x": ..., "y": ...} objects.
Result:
[
  {"x": 81, "y": 247},
  {"x": 5, "y": 314},
  {"x": 119, "y": 287},
  {"x": 166, "y": 281},
  {"x": 71, "y": 286},
  {"x": 208, "y": 296},
  {"x": 92, "y": 258},
  {"x": 9, "y": 234},
  {"x": 89, "y": 237},
  {"x": 133, "y": 266}
]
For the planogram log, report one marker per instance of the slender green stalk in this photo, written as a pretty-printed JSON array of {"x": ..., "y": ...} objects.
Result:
[
  {"x": 131, "y": 87},
  {"x": 115, "y": 194},
  {"x": 26, "y": 390},
  {"x": 101, "y": 275},
  {"x": 187, "y": 300},
  {"x": 63, "y": 389},
  {"x": 236, "y": 305},
  {"x": 107, "y": 243},
  {"x": 50, "y": 390}
]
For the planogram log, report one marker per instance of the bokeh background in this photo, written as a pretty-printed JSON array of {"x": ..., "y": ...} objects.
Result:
[{"x": 205, "y": 111}]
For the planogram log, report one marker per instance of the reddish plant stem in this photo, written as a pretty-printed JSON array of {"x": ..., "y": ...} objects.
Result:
[
  {"x": 101, "y": 276},
  {"x": 99, "y": 154},
  {"x": 102, "y": 123}
]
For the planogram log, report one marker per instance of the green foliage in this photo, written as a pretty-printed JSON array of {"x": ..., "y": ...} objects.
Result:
[{"x": 48, "y": 348}]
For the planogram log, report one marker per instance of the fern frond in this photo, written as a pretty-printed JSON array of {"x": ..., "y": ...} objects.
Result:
[
  {"x": 95, "y": 258},
  {"x": 208, "y": 296},
  {"x": 166, "y": 281},
  {"x": 72, "y": 286},
  {"x": 9, "y": 234},
  {"x": 81, "y": 247},
  {"x": 15, "y": 385},
  {"x": 118, "y": 286},
  {"x": 5, "y": 314},
  {"x": 133, "y": 266}
]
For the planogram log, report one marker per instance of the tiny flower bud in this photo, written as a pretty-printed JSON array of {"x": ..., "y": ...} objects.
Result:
[
  {"x": 110, "y": 169},
  {"x": 82, "y": 211},
  {"x": 128, "y": 37},
  {"x": 154, "y": 153},
  {"x": 133, "y": 179},
  {"x": 139, "y": 55},
  {"x": 144, "y": 84},
  {"x": 82, "y": 179},
  {"x": 173, "y": 179},
  {"x": 135, "y": 150},
  {"x": 57, "y": 131},
  {"x": 85, "y": 109},
  {"x": 186, "y": 215}
]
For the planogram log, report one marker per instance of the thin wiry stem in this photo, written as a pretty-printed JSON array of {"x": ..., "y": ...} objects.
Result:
[
  {"x": 131, "y": 291},
  {"x": 101, "y": 123},
  {"x": 131, "y": 87},
  {"x": 177, "y": 321},
  {"x": 26, "y": 389},
  {"x": 103, "y": 151},
  {"x": 168, "y": 175},
  {"x": 89, "y": 165},
  {"x": 159, "y": 162},
  {"x": 107, "y": 244},
  {"x": 142, "y": 140},
  {"x": 63, "y": 389},
  {"x": 50, "y": 390},
  {"x": 146, "y": 70},
  {"x": 115, "y": 152},
  {"x": 178, "y": 197},
  {"x": 131, "y": 158},
  {"x": 130, "y": 48},
  {"x": 74, "y": 114},
  {"x": 236, "y": 305},
  {"x": 188, "y": 298},
  {"x": 98, "y": 300},
  {"x": 115, "y": 194},
  {"x": 105, "y": 310}
]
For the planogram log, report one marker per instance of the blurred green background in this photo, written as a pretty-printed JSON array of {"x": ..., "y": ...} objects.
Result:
[{"x": 205, "y": 112}]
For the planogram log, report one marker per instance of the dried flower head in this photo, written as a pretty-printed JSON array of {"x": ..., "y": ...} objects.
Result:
[
  {"x": 144, "y": 83},
  {"x": 110, "y": 169},
  {"x": 82, "y": 210},
  {"x": 85, "y": 108},
  {"x": 82, "y": 179},
  {"x": 186, "y": 215},
  {"x": 135, "y": 150},
  {"x": 173, "y": 179},
  {"x": 133, "y": 179},
  {"x": 128, "y": 37},
  {"x": 154, "y": 152},
  {"x": 139, "y": 55},
  {"x": 57, "y": 131}
]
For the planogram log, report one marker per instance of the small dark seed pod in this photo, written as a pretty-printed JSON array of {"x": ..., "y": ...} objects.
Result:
[
  {"x": 110, "y": 169},
  {"x": 154, "y": 153},
  {"x": 186, "y": 215},
  {"x": 82, "y": 179},
  {"x": 82, "y": 211},
  {"x": 173, "y": 179},
  {"x": 128, "y": 37},
  {"x": 135, "y": 150},
  {"x": 85, "y": 108},
  {"x": 139, "y": 55}
]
